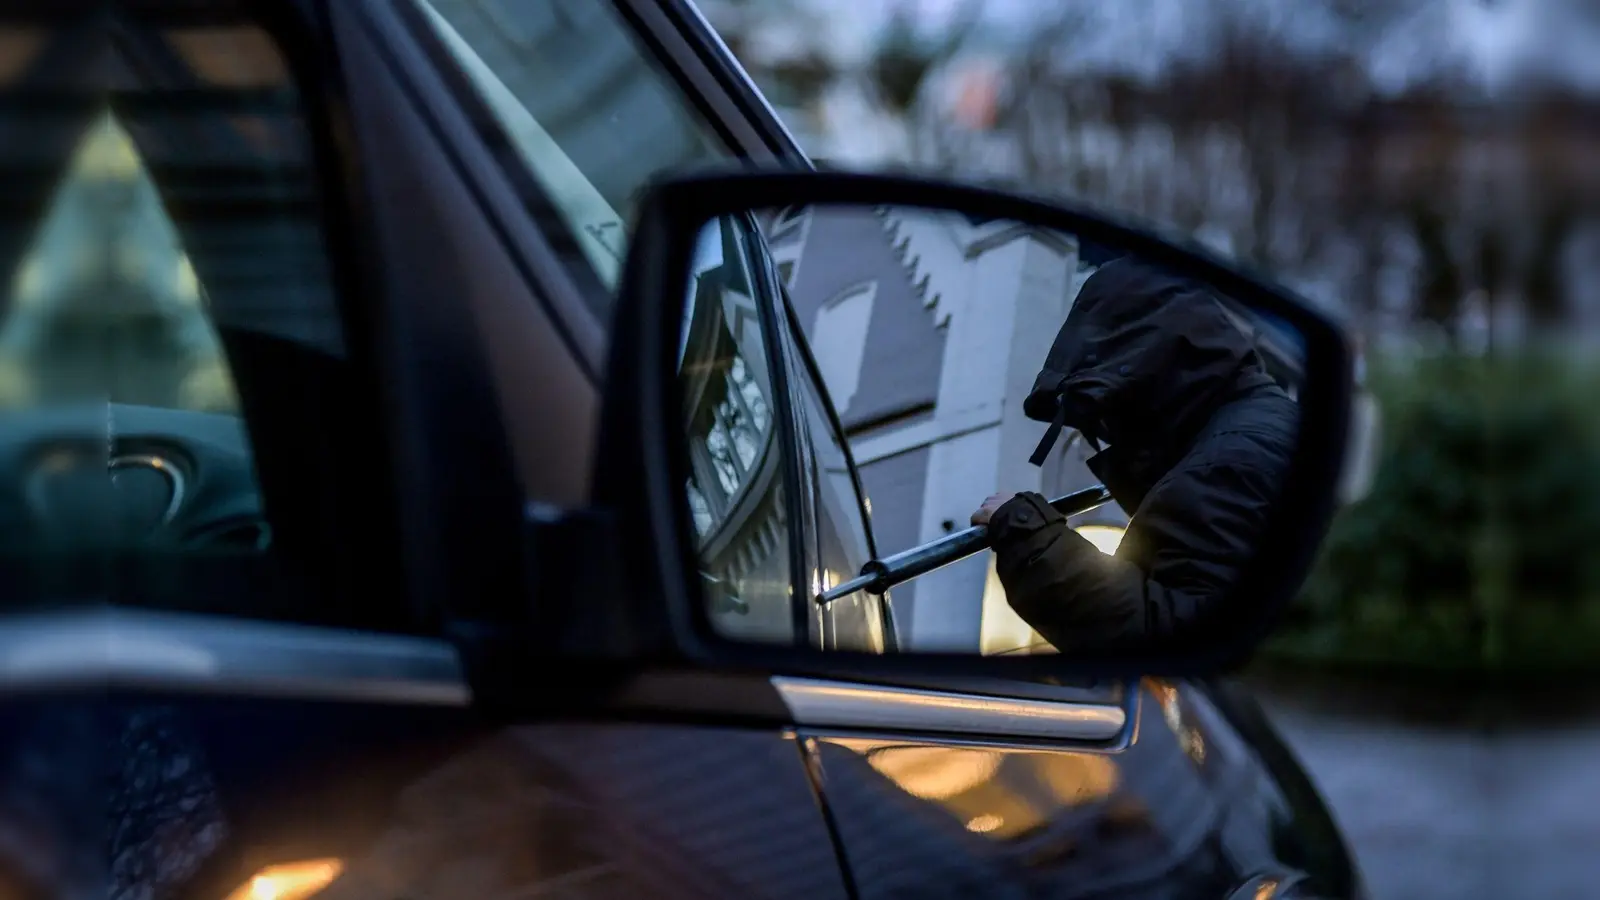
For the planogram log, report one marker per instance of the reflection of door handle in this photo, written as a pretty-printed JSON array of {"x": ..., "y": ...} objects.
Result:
[
  {"x": 724, "y": 600},
  {"x": 880, "y": 575}
]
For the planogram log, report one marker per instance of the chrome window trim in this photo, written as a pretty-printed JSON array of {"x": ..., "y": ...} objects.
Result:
[
  {"x": 835, "y": 704},
  {"x": 200, "y": 654}
]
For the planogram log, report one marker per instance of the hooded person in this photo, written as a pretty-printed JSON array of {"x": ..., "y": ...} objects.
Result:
[{"x": 1197, "y": 440}]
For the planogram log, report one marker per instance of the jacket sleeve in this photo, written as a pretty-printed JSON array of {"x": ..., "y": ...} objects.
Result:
[{"x": 1196, "y": 532}]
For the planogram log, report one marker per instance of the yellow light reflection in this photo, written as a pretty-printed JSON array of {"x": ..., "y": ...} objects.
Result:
[
  {"x": 1002, "y": 795},
  {"x": 1077, "y": 779},
  {"x": 984, "y": 823},
  {"x": 1105, "y": 538},
  {"x": 1189, "y": 737},
  {"x": 289, "y": 881},
  {"x": 935, "y": 773}
]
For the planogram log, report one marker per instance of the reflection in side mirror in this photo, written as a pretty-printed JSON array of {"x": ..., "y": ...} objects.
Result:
[
  {"x": 1166, "y": 380},
  {"x": 1042, "y": 356}
]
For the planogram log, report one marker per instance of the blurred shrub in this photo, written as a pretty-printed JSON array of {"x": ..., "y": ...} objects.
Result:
[{"x": 1473, "y": 548}]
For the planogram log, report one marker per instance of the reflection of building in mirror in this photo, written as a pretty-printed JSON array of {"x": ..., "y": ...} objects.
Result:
[
  {"x": 919, "y": 320},
  {"x": 735, "y": 486}
]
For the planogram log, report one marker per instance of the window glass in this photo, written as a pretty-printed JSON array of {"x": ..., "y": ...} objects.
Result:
[
  {"x": 589, "y": 113},
  {"x": 163, "y": 225},
  {"x": 855, "y": 622},
  {"x": 737, "y": 494}
]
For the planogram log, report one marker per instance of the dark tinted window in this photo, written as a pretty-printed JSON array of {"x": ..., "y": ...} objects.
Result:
[{"x": 171, "y": 324}]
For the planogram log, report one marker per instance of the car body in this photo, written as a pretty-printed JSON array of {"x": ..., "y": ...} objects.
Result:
[{"x": 260, "y": 705}]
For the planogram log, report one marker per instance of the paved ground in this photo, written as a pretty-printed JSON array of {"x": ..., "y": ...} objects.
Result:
[{"x": 1481, "y": 798}]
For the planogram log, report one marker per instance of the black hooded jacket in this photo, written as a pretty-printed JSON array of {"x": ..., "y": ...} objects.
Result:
[{"x": 1200, "y": 438}]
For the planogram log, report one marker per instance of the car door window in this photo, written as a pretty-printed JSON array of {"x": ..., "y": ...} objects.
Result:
[
  {"x": 584, "y": 107},
  {"x": 172, "y": 347},
  {"x": 838, "y": 518},
  {"x": 741, "y": 462}
]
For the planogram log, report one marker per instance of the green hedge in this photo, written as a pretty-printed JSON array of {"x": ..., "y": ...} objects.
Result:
[{"x": 1478, "y": 546}]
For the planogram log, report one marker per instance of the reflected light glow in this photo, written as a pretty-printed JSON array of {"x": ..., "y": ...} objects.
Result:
[
  {"x": 1105, "y": 538},
  {"x": 1077, "y": 779},
  {"x": 289, "y": 881},
  {"x": 935, "y": 773},
  {"x": 984, "y": 823}
]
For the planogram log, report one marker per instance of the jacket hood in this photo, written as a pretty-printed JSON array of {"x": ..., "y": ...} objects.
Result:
[{"x": 1142, "y": 361}]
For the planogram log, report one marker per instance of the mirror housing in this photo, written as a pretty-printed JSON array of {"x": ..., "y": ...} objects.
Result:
[{"x": 661, "y": 610}]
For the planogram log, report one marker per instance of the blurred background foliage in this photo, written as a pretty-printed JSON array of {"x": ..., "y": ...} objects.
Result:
[{"x": 1474, "y": 550}]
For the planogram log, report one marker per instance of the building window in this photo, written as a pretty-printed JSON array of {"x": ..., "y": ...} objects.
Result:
[{"x": 839, "y": 341}]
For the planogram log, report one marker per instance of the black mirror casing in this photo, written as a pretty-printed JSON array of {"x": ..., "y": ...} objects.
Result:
[{"x": 660, "y": 617}]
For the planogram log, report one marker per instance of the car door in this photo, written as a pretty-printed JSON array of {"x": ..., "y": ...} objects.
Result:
[{"x": 554, "y": 115}]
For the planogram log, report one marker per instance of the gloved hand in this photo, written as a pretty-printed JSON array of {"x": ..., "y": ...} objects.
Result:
[{"x": 985, "y": 512}]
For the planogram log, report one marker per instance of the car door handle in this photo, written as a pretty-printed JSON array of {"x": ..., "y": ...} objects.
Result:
[{"x": 841, "y": 704}]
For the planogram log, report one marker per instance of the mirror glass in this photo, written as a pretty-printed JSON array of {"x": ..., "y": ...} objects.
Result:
[{"x": 977, "y": 372}]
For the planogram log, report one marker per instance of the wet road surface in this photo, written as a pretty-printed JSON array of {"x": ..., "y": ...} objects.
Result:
[{"x": 1476, "y": 798}]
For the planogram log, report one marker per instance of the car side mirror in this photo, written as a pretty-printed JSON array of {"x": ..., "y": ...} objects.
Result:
[{"x": 1213, "y": 406}]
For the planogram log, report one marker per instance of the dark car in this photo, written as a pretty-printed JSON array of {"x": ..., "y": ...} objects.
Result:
[{"x": 326, "y": 287}]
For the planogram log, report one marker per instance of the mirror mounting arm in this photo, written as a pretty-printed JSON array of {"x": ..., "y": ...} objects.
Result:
[{"x": 569, "y": 610}]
